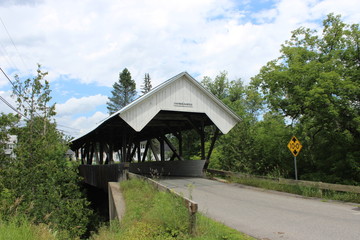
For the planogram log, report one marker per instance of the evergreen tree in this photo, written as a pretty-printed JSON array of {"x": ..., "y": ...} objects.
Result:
[
  {"x": 146, "y": 87},
  {"x": 123, "y": 93}
]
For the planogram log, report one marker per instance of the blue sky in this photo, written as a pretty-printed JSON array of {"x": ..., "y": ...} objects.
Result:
[{"x": 85, "y": 44}]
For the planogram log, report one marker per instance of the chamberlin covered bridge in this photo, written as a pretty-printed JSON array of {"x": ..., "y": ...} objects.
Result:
[{"x": 177, "y": 105}]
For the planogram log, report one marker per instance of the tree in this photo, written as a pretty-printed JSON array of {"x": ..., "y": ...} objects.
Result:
[
  {"x": 146, "y": 87},
  {"x": 44, "y": 183},
  {"x": 219, "y": 87},
  {"x": 123, "y": 93},
  {"x": 315, "y": 83}
]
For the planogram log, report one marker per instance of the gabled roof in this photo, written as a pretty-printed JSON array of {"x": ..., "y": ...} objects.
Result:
[{"x": 181, "y": 93}]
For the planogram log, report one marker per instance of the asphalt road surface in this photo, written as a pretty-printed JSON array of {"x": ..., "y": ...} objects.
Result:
[{"x": 270, "y": 215}]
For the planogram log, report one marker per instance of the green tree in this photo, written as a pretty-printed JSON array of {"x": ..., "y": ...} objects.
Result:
[
  {"x": 123, "y": 93},
  {"x": 315, "y": 83},
  {"x": 219, "y": 87},
  {"x": 146, "y": 87},
  {"x": 44, "y": 183}
]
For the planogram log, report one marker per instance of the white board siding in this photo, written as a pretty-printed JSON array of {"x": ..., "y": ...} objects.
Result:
[{"x": 178, "y": 96}]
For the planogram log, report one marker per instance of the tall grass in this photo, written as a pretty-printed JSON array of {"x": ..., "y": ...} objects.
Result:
[
  {"x": 155, "y": 215},
  {"x": 18, "y": 228},
  {"x": 306, "y": 191}
]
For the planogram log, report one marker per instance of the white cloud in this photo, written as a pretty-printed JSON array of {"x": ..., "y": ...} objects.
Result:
[
  {"x": 80, "y": 105},
  {"x": 81, "y": 125},
  {"x": 92, "y": 41}
]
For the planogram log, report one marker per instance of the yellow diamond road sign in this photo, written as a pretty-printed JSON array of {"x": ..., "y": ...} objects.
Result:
[{"x": 294, "y": 146}]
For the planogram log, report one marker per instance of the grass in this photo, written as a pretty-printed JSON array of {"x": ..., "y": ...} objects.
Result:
[
  {"x": 155, "y": 215},
  {"x": 18, "y": 228},
  {"x": 302, "y": 190}
]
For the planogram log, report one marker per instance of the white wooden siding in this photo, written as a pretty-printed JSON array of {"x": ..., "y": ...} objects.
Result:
[{"x": 177, "y": 96}]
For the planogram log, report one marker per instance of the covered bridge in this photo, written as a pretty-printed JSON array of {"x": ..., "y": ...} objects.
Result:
[{"x": 159, "y": 116}]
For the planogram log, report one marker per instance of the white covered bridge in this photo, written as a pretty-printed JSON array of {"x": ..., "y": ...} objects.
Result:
[{"x": 179, "y": 104}]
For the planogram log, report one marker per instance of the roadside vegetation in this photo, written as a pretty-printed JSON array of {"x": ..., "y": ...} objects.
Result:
[
  {"x": 151, "y": 214},
  {"x": 39, "y": 183},
  {"x": 20, "y": 228},
  {"x": 311, "y": 91},
  {"x": 306, "y": 191}
]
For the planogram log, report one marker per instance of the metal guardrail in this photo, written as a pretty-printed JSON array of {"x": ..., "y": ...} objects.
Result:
[
  {"x": 191, "y": 205},
  {"x": 320, "y": 185}
]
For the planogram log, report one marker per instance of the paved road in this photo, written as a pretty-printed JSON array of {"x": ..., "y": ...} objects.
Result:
[{"x": 269, "y": 215}]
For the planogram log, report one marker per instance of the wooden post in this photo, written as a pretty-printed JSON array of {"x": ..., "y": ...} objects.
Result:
[
  {"x": 123, "y": 148},
  {"x": 138, "y": 151},
  {"x": 214, "y": 138},
  {"x": 82, "y": 149},
  {"x": 77, "y": 154},
  {"x": 111, "y": 151},
  {"x": 202, "y": 139},
  {"x": 154, "y": 152},
  {"x": 201, "y": 132},
  {"x": 146, "y": 150},
  {"x": 101, "y": 153},
  {"x": 87, "y": 153},
  {"x": 173, "y": 149},
  {"x": 180, "y": 144},
  {"x": 90, "y": 160},
  {"x": 162, "y": 148}
]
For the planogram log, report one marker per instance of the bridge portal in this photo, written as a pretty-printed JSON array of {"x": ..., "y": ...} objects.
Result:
[{"x": 146, "y": 136}]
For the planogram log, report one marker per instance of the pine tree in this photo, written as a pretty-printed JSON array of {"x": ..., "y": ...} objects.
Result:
[
  {"x": 123, "y": 93},
  {"x": 146, "y": 87}
]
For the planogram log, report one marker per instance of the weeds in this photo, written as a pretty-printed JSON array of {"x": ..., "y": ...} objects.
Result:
[
  {"x": 20, "y": 228},
  {"x": 155, "y": 215},
  {"x": 297, "y": 189}
]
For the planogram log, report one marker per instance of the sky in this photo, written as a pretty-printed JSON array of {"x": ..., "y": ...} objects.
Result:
[{"x": 84, "y": 45}]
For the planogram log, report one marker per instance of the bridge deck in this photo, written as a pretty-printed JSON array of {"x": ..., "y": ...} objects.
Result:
[{"x": 268, "y": 214}]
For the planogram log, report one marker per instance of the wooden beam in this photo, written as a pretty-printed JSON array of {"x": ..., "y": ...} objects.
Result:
[
  {"x": 101, "y": 151},
  {"x": 213, "y": 140},
  {"x": 192, "y": 123},
  {"x": 202, "y": 139},
  {"x": 162, "y": 148},
  {"x": 180, "y": 144},
  {"x": 171, "y": 146},
  {"x": 146, "y": 150},
  {"x": 138, "y": 152},
  {"x": 82, "y": 150},
  {"x": 129, "y": 146},
  {"x": 87, "y": 152},
  {"x": 153, "y": 150},
  {"x": 133, "y": 151},
  {"x": 123, "y": 148},
  {"x": 111, "y": 152},
  {"x": 77, "y": 154},
  {"x": 92, "y": 149}
]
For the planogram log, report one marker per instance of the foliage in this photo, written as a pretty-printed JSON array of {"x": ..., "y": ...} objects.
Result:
[
  {"x": 312, "y": 91},
  {"x": 40, "y": 180},
  {"x": 20, "y": 228},
  {"x": 123, "y": 93},
  {"x": 146, "y": 87},
  {"x": 158, "y": 215},
  {"x": 299, "y": 189},
  {"x": 315, "y": 83}
]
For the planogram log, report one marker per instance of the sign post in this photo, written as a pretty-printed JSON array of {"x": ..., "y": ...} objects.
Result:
[{"x": 294, "y": 146}]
